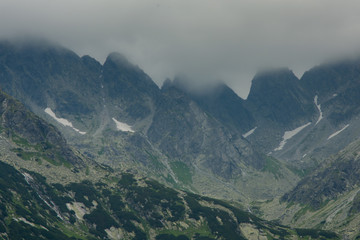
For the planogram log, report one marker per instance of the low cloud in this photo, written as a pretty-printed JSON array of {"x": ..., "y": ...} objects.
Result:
[{"x": 206, "y": 40}]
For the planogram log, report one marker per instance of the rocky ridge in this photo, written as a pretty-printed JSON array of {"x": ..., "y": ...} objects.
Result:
[
  {"x": 42, "y": 198},
  {"x": 116, "y": 115}
]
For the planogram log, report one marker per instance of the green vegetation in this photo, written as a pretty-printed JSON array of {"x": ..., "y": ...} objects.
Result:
[
  {"x": 273, "y": 166},
  {"x": 198, "y": 232},
  {"x": 316, "y": 234},
  {"x": 38, "y": 152},
  {"x": 155, "y": 161},
  {"x": 182, "y": 172},
  {"x": 302, "y": 211},
  {"x": 20, "y": 141},
  {"x": 300, "y": 172},
  {"x": 136, "y": 206}
]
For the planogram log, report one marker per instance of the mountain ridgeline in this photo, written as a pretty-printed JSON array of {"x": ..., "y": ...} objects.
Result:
[
  {"x": 115, "y": 114},
  {"x": 209, "y": 142},
  {"x": 50, "y": 191}
]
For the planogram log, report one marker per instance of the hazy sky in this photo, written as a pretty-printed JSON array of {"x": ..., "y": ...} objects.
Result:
[{"x": 204, "y": 39}]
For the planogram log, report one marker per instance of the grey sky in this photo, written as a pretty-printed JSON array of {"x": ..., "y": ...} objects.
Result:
[{"x": 204, "y": 39}]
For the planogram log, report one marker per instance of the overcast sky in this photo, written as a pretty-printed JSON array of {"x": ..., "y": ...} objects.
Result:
[{"x": 207, "y": 40}]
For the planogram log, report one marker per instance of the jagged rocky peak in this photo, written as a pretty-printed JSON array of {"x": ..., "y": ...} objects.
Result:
[
  {"x": 91, "y": 62},
  {"x": 48, "y": 75},
  {"x": 268, "y": 80},
  {"x": 123, "y": 76},
  {"x": 278, "y": 96},
  {"x": 331, "y": 78},
  {"x": 120, "y": 60},
  {"x": 217, "y": 99}
]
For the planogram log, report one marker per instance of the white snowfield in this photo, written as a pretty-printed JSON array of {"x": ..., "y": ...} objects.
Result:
[
  {"x": 319, "y": 109},
  {"x": 289, "y": 134},
  {"x": 122, "y": 126},
  {"x": 336, "y": 133},
  {"x": 249, "y": 132},
  {"x": 62, "y": 121}
]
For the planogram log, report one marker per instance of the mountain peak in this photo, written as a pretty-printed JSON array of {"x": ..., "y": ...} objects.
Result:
[
  {"x": 120, "y": 60},
  {"x": 270, "y": 80},
  {"x": 276, "y": 76},
  {"x": 278, "y": 96}
]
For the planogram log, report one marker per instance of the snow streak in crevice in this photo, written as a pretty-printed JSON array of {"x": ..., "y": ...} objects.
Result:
[
  {"x": 319, "y": 109},
  {"x": 249, "y": 132},
  {"x": 336, "y": 133}
]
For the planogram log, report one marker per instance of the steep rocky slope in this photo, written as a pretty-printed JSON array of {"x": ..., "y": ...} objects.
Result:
[
  {"x": 115, "y": 114},
  {"x": 32, "y": 133},
  {"x": 328, "y": 198},
  {"x": 42, "y": 197}
]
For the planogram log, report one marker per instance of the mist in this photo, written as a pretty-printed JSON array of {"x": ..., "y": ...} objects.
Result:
[{"x": 206, "y": 40}]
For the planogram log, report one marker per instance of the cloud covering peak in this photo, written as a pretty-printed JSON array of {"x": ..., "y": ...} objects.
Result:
[{"x": 205, "y": 39}]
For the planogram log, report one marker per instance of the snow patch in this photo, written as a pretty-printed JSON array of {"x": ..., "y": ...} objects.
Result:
[
  {"x": 249, "y": 132},
  {"x": 122, "y": 126},
  {"x": 335, "y": 95},
  {"x": 304, "y": 155},
  {"x": 62, "y": 121},
  {"x": 290, "y": 134},
  {"x": 336, "y": 133},
  {"x": 319, "y": 109}
]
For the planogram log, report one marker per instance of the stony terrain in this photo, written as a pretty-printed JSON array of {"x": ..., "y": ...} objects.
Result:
[
  {"x": 48, "y": 195},
  {"x": 116, "y": 115},
  {"x": 289, "y": 152}
]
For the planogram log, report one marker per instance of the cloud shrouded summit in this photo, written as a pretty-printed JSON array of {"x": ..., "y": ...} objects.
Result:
[{"x": 205, "y": 40}]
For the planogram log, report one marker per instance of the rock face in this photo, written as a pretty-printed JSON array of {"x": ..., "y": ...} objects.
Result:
[
  {"x": 224, "y": 154},
  {"x": 52, "y": 76},
  {"x": 337, "y": 176},
  {"x": 115, "y": 114},
  {"x": 221, "y": 102},
  {"x": 24, "y": 127},
  {"x": 278, "y": 97},
  {"x": 211, "y": 142},
  {"x": 325, "y": 97},
  {"x": 129, "y": 87},
  {"x": 47, "y": 192},
  {"x": 327, "y": 198},
  {"x": 338, "y": 85}
]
